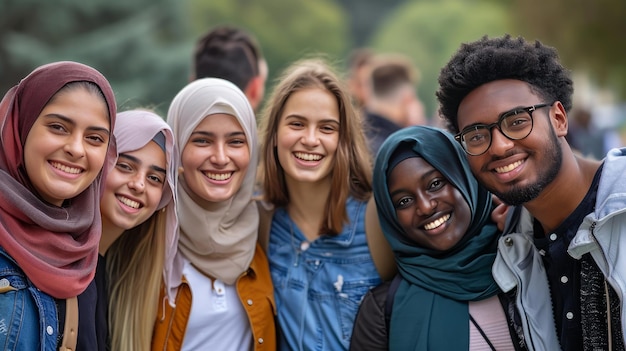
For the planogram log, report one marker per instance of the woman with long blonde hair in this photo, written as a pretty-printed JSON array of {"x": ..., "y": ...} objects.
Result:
[{"x": 139, "y": 228}]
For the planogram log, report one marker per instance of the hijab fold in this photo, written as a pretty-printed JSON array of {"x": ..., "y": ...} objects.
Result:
[
  {"x": 432, "y": 300},
  {"x": 56, "y": 247},
  {"x": 219, "y": 239}
]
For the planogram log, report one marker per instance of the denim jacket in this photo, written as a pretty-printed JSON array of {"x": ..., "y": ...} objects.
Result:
[
  {"x": 28, "y": 316},
  {"x": 318, "y": 286}
]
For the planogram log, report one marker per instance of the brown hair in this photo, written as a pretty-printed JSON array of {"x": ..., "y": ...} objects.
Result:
[{"x": 351, "y": 174}]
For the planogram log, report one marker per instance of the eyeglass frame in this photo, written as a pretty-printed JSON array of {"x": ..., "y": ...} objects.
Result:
[{"x": 498, "y": 124}]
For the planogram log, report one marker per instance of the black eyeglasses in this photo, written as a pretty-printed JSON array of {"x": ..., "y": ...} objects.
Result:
[{"x": 515, "y": 124}]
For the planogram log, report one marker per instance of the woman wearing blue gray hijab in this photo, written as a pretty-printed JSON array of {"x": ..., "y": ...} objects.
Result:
[{"x": 436, "y": 218}]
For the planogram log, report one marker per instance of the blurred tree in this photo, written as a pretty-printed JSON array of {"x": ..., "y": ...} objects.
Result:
[
  {"x": 138, "y": 45},
  {"x": 431, "y": 31},
  {"x": 589, "y": 34},
  {"x": 303, "y": 27},
  {"x": 365, "y": 16}
]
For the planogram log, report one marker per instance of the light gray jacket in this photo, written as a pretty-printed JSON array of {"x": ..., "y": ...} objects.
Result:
[{"x": 518, "y": 264}]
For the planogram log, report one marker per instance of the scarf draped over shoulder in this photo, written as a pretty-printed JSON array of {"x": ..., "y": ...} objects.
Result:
[
  {"x": 219, "y": 239},
  {"x": 56, "y": 247},
  {"x": 431, "y": 302}
]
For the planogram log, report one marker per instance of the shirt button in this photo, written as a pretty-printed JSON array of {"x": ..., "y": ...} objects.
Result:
[
  {"x": 4, "y": 283},
  {"x": 553, "y": 236},
  {"x": 508, "y": 242},
  {"x": 260, "y": 340},
  {"x": 249, "y": 302},
  {"x": 49, "y": 330},
  {"x": 564, "y": 279},
  {"x": 304, "y": 246},
  {"x": 569, "y": 315}
]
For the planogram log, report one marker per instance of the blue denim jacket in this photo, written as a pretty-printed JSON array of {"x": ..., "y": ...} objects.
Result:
[
  {"x": 28, "y": 316},
  {"x": 318, "y": 286}
]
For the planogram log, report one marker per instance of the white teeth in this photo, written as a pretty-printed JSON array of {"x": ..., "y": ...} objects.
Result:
[
  {"x": 308, "y": 157},
  {"x": 218, "y": 176},
  {"x": 436, "y": 223},
  {"x": 128, "y": 202},
  {"x": 65, "y": 168},
  {"x": 508, "y": 168}
]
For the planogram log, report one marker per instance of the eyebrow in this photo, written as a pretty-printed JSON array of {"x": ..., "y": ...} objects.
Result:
[
  {"x": 138, "y": 161},
  {"x": 72, "y": 122},
  {"x": 211, "y": 134},
  {"x": 325, "y": 120},
  {"x": 423, "y": 177}
]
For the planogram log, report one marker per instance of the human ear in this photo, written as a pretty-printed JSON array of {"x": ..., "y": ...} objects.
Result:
[{"x": 558, "y": 118}]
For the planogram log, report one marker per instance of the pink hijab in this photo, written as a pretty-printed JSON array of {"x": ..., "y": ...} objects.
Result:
[
  {"x": 56, "y": 247},
  {"x": 135, "y": 129}
]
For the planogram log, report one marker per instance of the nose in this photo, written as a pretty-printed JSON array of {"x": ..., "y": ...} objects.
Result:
[
  {"x": 137, "y": 183},
  {"x": 499, "y": 142},
  {"x": 426, "y": 204},
  {"x": 310, "y": 137},
  {"x": 219, "y": 155},
  {"x": 74, "y": 146}
]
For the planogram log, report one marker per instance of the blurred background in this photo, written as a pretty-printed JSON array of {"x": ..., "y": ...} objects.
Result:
[{"x": 144, "y": 47}]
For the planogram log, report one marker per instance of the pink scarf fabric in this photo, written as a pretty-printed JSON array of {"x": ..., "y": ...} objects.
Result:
[
  {"x": 134, "y": 129},
  {"x": 56, "y": 247}
]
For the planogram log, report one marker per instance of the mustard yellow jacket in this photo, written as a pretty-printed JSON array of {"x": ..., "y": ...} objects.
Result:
[{"x": 256, "y": 293}]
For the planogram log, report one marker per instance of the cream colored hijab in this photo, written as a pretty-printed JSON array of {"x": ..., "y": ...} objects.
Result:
[{"x": 219, "y": 239}]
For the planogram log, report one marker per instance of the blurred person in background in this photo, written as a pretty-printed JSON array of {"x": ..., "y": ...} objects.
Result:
[
  {"x": 358, "y": 75},
  {"x": 392, "y": 101},
  {"x": 231, "y": 53},
  {"x": 584, "y": 136}
]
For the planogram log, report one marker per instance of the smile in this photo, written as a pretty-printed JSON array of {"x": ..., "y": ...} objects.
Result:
[
  {"x": 66, "y": 169},
  {"x": 128, "y": 202},
  {"x": 307, "y": 157},
  {"x": 508, "y": 168},
  {"x": 219, "y": 176},
  {"x": 437, "y": 223}
]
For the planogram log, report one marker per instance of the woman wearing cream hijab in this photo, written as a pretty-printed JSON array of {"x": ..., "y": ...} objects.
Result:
[{"x": 225, "y": 297}]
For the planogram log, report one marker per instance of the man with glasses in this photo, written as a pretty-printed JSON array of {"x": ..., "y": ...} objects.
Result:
[{"x": 507, "y": 101}]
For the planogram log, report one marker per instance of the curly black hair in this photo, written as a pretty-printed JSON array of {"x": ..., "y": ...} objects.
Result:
[{"x": 490, "y": 59}]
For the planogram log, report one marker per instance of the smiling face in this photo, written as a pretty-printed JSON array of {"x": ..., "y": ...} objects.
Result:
[
  {"x": 430, "y": 210},
  {"x": 216, "y": 158},
  {"x": 66, "y": 147},
  {"x": 516, "y": 171},
  {"x": 133, "y": 188},
  {"x": 308, "y": 135}
]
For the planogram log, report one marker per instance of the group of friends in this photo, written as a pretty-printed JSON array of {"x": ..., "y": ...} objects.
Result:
[{"x": 201, "y": 230}]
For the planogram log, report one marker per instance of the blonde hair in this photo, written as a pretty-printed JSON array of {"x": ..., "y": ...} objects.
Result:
[
  {"x": 134, "y": 269},
  {"x": 351, "y": 175}
]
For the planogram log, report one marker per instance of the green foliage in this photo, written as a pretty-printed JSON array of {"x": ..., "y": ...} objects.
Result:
[
  {"x": 138, "y": 45},
  {"x": 588, "y": 34},
  {"x": 287, "y": 30},
  {"x": 431, "y": 31}
]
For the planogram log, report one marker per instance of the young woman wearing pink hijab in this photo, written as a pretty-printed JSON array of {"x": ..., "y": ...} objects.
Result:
[
  {"x": 139, "y": 229},
  {"x": 57, "y": 147}
]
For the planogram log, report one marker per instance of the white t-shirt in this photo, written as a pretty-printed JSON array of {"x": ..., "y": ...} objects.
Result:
[{"x": 217, "y": 321}]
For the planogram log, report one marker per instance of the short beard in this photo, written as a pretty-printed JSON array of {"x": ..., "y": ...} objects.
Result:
[{"x": 519, "y": 195}]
